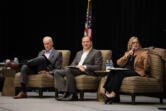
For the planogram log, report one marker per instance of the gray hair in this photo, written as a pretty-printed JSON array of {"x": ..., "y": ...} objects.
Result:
[{"x": 48, "y": 37}]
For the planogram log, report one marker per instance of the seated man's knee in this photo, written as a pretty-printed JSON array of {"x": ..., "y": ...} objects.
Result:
[
  {"x": 24, "y": 67},
  {"x": 61, "y": 72},
  {"x": 57, "y": 73},
  {"x": 42, "y": 58}
]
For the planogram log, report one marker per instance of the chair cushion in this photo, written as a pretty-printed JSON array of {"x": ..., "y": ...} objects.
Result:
[
  {"x": 86, "y": 82},
  {"x": 139, "y": 84},
  {"x": 36, "y": 80}
]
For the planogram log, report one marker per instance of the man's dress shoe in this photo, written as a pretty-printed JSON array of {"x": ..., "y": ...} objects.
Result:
[
  {"x": 64, "y": 95},
  {"x": 68, "y": 97},
  {"x": 20, "y": 95},
  {"x": 13, "y": 65}
]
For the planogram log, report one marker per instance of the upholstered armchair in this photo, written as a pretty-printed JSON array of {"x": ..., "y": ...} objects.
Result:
[
  {"x": 151, "y": 84},
  {"x": 162, "y": 53},
  {"x": 41, "y": 82},
  {"x": 86, "y": 83}
]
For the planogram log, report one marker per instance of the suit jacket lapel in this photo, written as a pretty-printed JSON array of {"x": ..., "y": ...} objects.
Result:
[
  {"x": 42, "y": 53},
  {"x": 52, "y": 54},
  {"x": 88, "y": 56},
  {"x": 79, "y": 56}
]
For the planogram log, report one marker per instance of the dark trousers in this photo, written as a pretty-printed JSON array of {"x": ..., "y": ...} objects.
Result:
[
  {"x": 67, "y": 85},
  {"x": 32, "y": 67},
  {"x": 114, "y": 79}
]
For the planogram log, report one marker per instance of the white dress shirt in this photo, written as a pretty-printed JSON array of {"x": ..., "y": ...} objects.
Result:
[
  {"x": 47, "y": 54},
  {"x": 83, "y": 57}
]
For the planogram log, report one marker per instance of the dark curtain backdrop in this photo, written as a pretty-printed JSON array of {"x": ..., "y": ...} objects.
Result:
[{"x": 23, "y": 24}]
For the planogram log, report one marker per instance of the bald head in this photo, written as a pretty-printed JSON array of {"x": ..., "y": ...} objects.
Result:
[{"x": 48, "y": 43}]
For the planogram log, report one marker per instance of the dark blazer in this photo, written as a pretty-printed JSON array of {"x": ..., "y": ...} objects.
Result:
[
  {"x": 93, "y": 61},
  {"x": 55, "y": 59}
]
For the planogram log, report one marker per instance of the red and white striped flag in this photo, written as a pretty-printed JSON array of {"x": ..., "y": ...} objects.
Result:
[{"x": 88, "y": 23}]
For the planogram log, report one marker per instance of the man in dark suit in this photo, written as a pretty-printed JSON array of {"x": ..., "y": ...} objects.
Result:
[
  {"x": 47, "y": 62},
  {"x": 86, "y": 62}
]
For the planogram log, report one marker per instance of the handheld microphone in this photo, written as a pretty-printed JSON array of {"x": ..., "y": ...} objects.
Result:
[
  {"x": 133, "y": 49},
  {"x": 132, "y": 56}
]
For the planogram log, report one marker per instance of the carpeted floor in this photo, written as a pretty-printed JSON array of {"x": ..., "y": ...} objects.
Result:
[{"x": 48, "y": 103}]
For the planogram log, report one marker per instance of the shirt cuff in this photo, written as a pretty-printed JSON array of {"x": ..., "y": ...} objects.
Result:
[{"x": 85, "y": 66}]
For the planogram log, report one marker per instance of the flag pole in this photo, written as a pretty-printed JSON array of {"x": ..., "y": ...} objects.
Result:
[{"x": 88, "y": 11}]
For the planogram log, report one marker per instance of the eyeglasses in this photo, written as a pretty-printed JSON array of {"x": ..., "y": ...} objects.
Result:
[{"x": 134, "y": 42}]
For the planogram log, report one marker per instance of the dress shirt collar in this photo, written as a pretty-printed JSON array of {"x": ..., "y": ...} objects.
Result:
[{"x": 48, "y": 51}]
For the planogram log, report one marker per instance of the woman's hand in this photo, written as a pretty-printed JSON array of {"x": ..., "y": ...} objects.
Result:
[{"x": 129, "y": 53}]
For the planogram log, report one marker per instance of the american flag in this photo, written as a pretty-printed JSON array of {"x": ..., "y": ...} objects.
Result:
[{"x": 88, "y": 22}]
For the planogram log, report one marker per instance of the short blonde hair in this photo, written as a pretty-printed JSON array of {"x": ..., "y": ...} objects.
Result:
[{"x": 130, "y": 42}]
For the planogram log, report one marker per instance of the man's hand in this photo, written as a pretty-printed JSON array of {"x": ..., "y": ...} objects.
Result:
[
  {"x": 81, "y": 67},
  {"x": 43, "y": 72}
]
